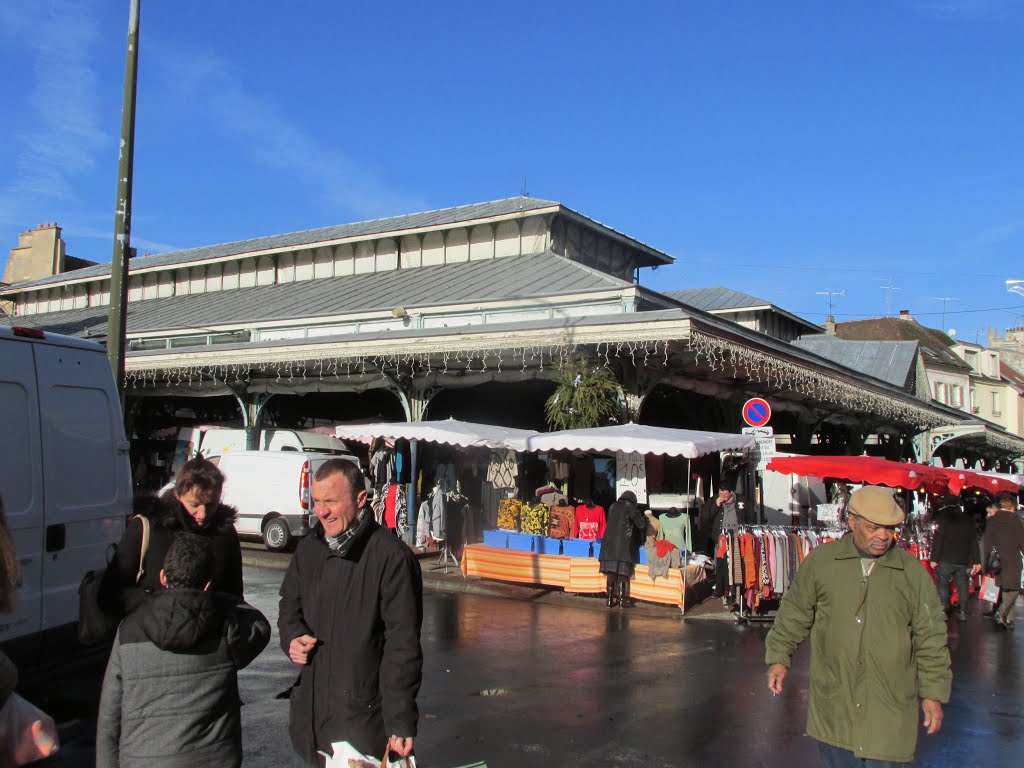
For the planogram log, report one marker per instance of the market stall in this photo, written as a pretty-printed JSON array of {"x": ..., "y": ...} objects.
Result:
[{"x": 532, "y": 555}]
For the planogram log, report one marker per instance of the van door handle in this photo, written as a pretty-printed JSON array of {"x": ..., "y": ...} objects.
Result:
[{"x": 56, "y": 537}]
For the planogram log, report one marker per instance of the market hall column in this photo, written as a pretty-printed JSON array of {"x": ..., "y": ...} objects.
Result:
[{"x": 252, "y": 405}]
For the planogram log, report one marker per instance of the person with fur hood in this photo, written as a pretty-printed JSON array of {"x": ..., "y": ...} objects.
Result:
[{"x": 193, "y": 506}]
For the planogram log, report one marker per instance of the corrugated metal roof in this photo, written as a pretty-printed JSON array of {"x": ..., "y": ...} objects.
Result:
[
  {"x": 891, "y": 361},
  {"x": 513, "y": 277},
  {"x": 717, "y": 297},
  {"x": 294, "y": 240},
  {"x": 310, "y": 236},
  {"x": 934, "y": 344}
]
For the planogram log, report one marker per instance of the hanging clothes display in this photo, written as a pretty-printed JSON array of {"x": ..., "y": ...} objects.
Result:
[
  {"x": 590, "y": 521},
  {"x": 674, "y": 526},
  {"x": 762, "y": 561}
]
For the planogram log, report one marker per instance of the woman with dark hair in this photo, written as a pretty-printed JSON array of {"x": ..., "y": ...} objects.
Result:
[
  {"x": 619, "y": 551},
  {"x": 192, "y": 505}
]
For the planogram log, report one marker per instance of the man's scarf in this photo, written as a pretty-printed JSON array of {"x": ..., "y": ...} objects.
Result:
[{"x": 342, "y": 543}]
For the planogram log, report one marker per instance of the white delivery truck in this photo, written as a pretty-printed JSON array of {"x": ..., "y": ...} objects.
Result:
[
  {"x": 271, "y": 491},
  {"x": 211, "y": 441},
  {"x": 65, "y": 480}
]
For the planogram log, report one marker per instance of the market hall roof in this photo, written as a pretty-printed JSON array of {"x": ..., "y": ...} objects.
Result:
[
  {"x": 725, "y": 301},
  {"x": 441, "y": 218},
  {"x": 891, "y": 361},
  {"x": 541, "y": 276}
]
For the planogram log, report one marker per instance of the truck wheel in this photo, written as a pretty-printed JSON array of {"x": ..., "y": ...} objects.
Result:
[{"x": 276, "y": 535}]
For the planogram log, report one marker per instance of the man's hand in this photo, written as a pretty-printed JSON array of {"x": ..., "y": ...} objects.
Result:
[
  {"x": 300, "y": 648},
  {"x": 400, "y": 745},
  {"x": 777, "y": 674},
  {"x": 934, "y": 565},
  {"x": 932, "y": 715},
  {"x": 976, "y": 568}
]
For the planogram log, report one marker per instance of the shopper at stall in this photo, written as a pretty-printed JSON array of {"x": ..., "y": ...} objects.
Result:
[
  {"x": 954, "y": 553},
  {"x": 619, "y": 552},
  {"x": 727, "y": 513},
  {"x": 878, "y": 640},
  {"x": 1004, "y": 533}
]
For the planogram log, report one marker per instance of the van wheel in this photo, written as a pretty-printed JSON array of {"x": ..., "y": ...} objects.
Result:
[{"x": 276, "y": 535}]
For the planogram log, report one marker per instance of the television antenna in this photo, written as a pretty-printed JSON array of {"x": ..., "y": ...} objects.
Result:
[
  {"x": 1015, "y": 286},
  {"x": 890, "y": 287},
  {"x": 830, "y": 294},
  {"x": 945, "y": 300}
]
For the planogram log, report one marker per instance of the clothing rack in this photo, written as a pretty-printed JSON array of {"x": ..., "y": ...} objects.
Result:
[{"x": 746, "y": 614}]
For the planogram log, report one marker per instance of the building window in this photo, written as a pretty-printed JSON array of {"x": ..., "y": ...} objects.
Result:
[
  {"x": 995, "y": 404},
  {"x": 957, "y": 393},
  {"x": 940, "y": 392}
]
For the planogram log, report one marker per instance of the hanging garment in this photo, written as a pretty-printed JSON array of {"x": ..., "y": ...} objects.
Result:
[
  {"x": 589, "y": 523},
  {"x": 563, "y": 521},
  {"x": 675, "y": 527},
  {"x": 423, "y": 525}
]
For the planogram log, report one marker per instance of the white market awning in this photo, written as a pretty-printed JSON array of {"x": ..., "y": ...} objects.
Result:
[
  {"x": 466, "y": 434},
  {"x": 688, "y": 443}
]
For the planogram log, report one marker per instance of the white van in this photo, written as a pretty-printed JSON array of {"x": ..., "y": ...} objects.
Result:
[
  {"x": 211, "y": 441},
  {"x": 65, "y": 479},
  {"x": 271, "y": 491}
]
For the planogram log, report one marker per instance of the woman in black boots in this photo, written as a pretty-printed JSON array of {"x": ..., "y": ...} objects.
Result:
[{"x": 618, "y": 548}]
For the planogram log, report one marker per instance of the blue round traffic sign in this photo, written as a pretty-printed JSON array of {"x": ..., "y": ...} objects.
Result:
[{"x": 757, "y": 412}]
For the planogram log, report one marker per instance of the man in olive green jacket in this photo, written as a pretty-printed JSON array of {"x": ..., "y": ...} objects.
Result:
[{"x": 878, "y": 640}]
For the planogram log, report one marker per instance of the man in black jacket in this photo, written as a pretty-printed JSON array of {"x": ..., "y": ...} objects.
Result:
[
  {"x": 954, "y": 553},
  {"x": 170, "y": 693},
  {"x": 350, "y": 614}
]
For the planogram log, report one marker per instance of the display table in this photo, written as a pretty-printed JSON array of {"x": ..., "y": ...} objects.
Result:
[{"x": 575, "y": 574}]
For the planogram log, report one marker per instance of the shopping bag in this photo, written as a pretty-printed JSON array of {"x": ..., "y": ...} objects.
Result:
[
  {"x": 27, "y": 733},
  {"x": 346, "y": 756},
  {"x": 989, "y": 590}
]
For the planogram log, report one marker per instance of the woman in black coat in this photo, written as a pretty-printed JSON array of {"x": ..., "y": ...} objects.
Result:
[
  {"x": 192, "y": 505},
  {"x": 618, "y": 547}
]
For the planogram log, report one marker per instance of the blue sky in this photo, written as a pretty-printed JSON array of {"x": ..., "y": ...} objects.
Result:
[{"x": 780, "y": 148}]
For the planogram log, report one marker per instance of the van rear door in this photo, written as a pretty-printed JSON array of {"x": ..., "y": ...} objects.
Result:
[
  {"x": 86, "y": 471},
  {"x": 21, "y": 482}
]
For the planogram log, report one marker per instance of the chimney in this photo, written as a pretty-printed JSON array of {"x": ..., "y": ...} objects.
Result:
[{"x": 830, "y": 326}]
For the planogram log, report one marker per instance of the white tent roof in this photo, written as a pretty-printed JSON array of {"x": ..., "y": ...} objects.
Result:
[
  {"x": 449, "y": 432},
  {"x": 688, "y": 443}
]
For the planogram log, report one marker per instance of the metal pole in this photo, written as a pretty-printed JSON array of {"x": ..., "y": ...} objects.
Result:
[{"x": 123, "y": 211}]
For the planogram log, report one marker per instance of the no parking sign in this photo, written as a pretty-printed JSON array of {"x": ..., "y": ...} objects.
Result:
[{"x": 757, "y": 412}]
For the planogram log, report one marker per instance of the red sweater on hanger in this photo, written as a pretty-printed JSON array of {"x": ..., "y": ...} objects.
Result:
[{"x": 589, "y": 523}]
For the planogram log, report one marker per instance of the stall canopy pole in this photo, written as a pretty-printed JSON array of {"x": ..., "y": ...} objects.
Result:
[{"x": 412, "y": 503}]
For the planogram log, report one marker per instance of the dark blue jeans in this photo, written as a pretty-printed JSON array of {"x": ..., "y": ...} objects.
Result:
[{"x": 834, "y": 757}]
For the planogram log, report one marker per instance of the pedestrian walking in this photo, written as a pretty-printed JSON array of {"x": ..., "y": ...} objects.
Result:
[
  {"x": 350, "y": 615},
  {"x": 619, "y": 550},
  {"x": 1004, "y": 533},
  {"x": 170, "y": 693},
  {"x": 954, "y": 553},
  {"x": 878, "y": 640}
]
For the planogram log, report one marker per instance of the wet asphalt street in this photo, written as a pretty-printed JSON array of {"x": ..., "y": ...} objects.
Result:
[{"x": 551, "y": 680}]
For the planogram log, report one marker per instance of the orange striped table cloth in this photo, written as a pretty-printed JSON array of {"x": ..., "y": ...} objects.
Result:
[{"x": 573, "y": 574}]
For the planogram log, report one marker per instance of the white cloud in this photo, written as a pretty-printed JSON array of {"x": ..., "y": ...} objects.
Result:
[
  {"x": 273, "y": 139},
  {"x": 60, "y": 136},
  {"x": 142, "y": 245}
]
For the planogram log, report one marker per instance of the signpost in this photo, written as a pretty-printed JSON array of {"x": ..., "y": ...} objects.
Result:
[
  {"x": 757, "y": 412},
  {"x": 764, "y": 438}
]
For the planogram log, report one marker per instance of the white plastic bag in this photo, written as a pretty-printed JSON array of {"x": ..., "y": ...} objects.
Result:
[
  {"x": 989, "y": 590},
  {"x": 347, "y": 756},
  {"x": 27, "y": 733}
]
